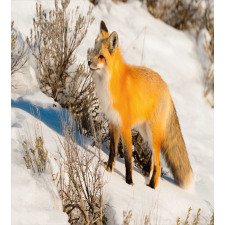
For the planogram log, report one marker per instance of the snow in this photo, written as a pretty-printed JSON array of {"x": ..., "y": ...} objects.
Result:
[
  {"x": 180, "y": 59},
  {"x": 35, "y": 199}
]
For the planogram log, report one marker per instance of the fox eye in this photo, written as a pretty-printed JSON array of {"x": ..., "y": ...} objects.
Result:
[{"x": 101, "y": 57}]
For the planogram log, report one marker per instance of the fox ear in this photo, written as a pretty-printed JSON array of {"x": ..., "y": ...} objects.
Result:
[
  {"x": 103, "y": 30},
  {"x": 113, "y": 42}
]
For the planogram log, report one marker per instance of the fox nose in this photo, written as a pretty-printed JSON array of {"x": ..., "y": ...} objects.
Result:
[{"x": 89, "y": 63}]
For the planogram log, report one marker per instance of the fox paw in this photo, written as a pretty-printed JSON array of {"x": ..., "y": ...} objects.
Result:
[
  {"x": 130, "y": 182},
  {"x": 107, "y": 167},
  {"x": 152, "y": 184}
]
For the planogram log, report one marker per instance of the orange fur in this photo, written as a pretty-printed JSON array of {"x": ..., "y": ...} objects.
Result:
[{"x": 139, "y": 98}]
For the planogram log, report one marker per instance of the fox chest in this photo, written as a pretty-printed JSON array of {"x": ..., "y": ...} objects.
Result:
[{"x": 106, "y": 100}]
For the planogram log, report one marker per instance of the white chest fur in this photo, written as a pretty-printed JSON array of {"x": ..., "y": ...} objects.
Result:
[{"x": 101, "y": 80}]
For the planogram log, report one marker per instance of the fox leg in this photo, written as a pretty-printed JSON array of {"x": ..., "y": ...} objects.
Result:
[
  {"x": 114, "y": 137},
  {"x": 127, "y": 146},
  {"x": 157, "y": 139}
]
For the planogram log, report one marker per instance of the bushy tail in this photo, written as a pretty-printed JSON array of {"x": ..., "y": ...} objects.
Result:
[{"x": 174, "y": 150}]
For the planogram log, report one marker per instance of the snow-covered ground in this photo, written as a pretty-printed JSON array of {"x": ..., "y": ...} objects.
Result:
[{"x": 177, "y": 57}]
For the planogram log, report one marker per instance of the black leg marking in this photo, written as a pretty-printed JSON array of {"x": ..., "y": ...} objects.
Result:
[
  {"x": 112, "y": 152},
  {"x": 128, "y": 164},
  {"x": 152, "y": 181}
]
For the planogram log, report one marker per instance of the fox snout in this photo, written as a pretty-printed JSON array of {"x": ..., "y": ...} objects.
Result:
[{"x": 92, "y": 66}]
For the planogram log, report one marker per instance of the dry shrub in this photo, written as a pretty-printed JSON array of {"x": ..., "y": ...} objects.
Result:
[
  {"x": 181, "y": 14},
  {"x": 54, "y": 39},
  {"x": 209, "y": 77},
  {"x": 209, "y": 84},
  {"x": 18, "y": 54},
  {"x": 80, "y": 181},
  {"x": 35, "y": 155},
  {"x": 142, "y": 154}
]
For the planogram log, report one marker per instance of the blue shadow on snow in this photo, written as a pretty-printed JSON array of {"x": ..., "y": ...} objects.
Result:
[{"x": 52, "y": 117}]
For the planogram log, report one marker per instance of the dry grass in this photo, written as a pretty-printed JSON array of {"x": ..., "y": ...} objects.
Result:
[
  {"x": 80, "y": 181},
  {"x": 35, "y": 155},
  {"x": 150, "y": 218},
  {"x": 212, "y": 220},
  {"x": 196, "y": 219},
  {"x": 18, "y": 55},
  {"x": 127, "y": 215},
  {"x": 147, "y": 218},
  {"x": 35, "y": 151}
]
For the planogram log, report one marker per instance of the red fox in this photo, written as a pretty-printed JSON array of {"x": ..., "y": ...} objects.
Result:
[{"x": 137, "y": 97}]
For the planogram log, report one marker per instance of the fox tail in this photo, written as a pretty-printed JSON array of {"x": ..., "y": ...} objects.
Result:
[{"x": 175, "y": 153}]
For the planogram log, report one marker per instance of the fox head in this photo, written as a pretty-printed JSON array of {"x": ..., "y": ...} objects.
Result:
[{"x": 104, "y": 50}]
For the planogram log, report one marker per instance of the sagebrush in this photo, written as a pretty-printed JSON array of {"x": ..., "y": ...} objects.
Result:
[
  {"x": 80, "y": 181},
  {"x": 181, "y": 14},
  {"x": 18, "y": 54},
  {"x": 209, "y": 76},
  {"x": 54, "y": 40}
]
